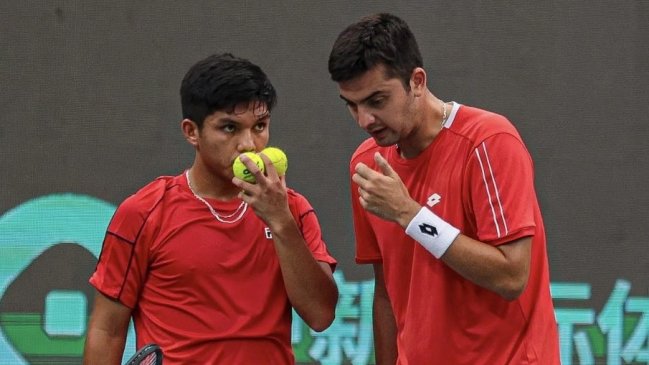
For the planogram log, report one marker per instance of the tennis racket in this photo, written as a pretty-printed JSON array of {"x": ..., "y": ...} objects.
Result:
[{"x": 150, "y": 354}]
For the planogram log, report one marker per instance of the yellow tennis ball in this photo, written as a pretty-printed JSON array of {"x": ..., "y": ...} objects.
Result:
[
  {"x": 241, "y": 171},
  {"x": 278, "y": 158}
]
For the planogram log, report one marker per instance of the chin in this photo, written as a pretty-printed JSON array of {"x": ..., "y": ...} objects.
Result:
[{"x": 385, "y": 142}]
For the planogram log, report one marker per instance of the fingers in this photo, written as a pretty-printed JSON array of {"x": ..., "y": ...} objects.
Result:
[
  {"x": 361, "y": 178},
  {"x": 267, "y": 196},
  {"x": 243, "y": 196},
  {"x": 282, "y": 179},
  {"x": 271, "y": 171},
  {"x": 385, "y": 167},
  {"x": 364, "y": 176},
  {"x": 363, "y": 173},
  {"x": 363, "y": 203},
  {"x": 266, "y": 180},
  {"x": 252, "y": 167},
  {"x": 245, "y": 186},
  {"x": 380, "y": 190}
]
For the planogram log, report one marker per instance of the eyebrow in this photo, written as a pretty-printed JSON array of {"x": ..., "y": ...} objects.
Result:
[
  {"x": 266, "y": 115},
  {"x": 364, "y": 100},
  {"x": 228, "y": 119}
]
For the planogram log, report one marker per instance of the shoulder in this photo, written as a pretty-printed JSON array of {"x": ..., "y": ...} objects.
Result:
[
  {"x": 478, "y": 124},
  {"x": 148, "y": 197},
  {"x": 300, "y": 208},
  {"x": 298, "y": 202},
  {"x": 133, "y": 213}
]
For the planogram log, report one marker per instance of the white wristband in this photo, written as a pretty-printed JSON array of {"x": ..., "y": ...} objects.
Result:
[{"x": 432, "y": 232}]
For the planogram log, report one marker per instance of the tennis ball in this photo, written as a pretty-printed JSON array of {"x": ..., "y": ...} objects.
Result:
[
  {"x": 241, "y": 171},
  {"x": 278, "y": 158}
]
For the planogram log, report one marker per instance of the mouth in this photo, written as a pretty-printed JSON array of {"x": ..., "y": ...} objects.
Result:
[{"x": 377, "y": 133}]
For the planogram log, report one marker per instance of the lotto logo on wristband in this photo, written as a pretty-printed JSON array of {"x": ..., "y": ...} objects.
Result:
[
  {"x": 426, "y": 228},
  {"x": 435, "y": 238}
]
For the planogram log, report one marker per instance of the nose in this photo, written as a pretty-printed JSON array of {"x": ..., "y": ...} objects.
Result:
[
  {"x": 246, "y": 142},
  {"x": 365, "y": 118}
]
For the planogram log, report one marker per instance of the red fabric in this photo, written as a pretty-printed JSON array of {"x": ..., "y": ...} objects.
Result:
[
  {"x": 483, "y": 175},
  {"x": 207, "y": 292}
]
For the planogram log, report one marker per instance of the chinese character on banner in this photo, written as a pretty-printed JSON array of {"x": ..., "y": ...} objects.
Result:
[
  {"x": 620, "y": 332},
  {"x": 350, "y": 335}
]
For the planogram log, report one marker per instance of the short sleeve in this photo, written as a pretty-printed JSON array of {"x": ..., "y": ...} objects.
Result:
[
  {"x": 309, "y": 226},
  {"x": 124, "y": 260},
  {"x": 502, "y": 196}
]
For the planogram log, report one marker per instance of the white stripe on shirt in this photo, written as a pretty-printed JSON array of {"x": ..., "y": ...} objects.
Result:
[
  {"x": 486, "y": 184},
  {"x": 500, "y": 204}
]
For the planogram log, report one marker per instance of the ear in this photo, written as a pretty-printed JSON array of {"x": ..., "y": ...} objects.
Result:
[
  {"x": 190, "y": 131},
  {"x": 418, "y": 81}
]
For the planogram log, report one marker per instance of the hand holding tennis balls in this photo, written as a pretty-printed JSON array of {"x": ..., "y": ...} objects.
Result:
[
  {"x": 274, "y": 154},
  {"x": 241, "y": 171},
  {"x": 278, "y": 158}
]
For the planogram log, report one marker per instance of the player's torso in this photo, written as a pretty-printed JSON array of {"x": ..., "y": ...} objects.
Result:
[
  {"x": 431, "y": 300},
  {"x": 211, "y": 282},
  {"x": 192, "y": 245},
  {"x": 434, "y": 179}
]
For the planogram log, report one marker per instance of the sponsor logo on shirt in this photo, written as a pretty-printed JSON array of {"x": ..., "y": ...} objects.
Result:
[{"x": 433, "y": 200}]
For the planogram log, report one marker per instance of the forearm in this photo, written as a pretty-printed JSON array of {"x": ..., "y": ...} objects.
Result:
[
  {"x": 503, "y": 270},
  {"x": 385, "y": 334},
  {"x": 309, "y": 284},
  {"x": 106, "y": 334},
  {"x": 385, "y": 327},
  {"x": 102, "y": 348}
]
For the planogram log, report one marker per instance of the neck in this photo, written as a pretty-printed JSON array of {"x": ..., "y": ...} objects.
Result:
[
  {"x": 208, "y": 185},
  {"x": 427, "y": 125}
]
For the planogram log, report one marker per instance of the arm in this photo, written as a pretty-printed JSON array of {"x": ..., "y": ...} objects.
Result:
[
  {"x": 503, "y": 269},
  {"x": 106, "y": 334},
  {"x": 310, "y": 285},
  {"x": 385, "y": 327}
]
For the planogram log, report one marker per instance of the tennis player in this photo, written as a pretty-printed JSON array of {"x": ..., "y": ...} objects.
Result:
[
  {"x": 445, "y": 209},
  {"x": 209, "y": 266}
]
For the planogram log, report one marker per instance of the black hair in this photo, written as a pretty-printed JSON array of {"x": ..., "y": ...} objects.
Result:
[
  {"x": 221, "y": 82},
  {"x": 375, "y": 39}
]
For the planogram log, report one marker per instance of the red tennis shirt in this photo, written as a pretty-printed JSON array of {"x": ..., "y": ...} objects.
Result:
[
  {"x": 207, "y": 292},
  {"x": 478, "y": 176}
]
